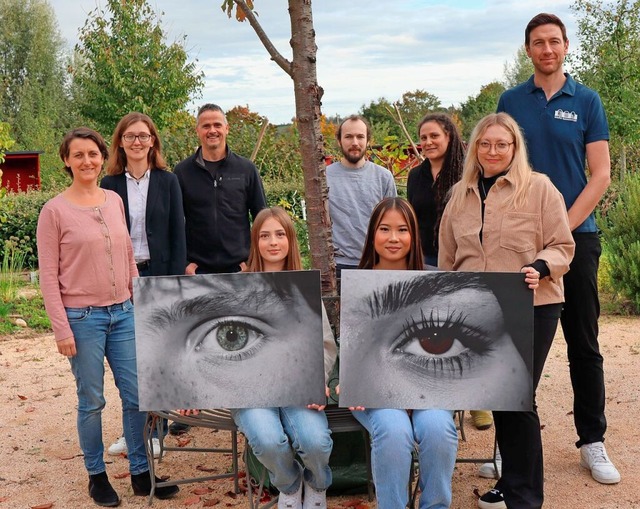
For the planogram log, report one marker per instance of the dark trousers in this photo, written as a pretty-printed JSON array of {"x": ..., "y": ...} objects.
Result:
[
  {"x": 580, "y": 326},
  {"x": 518, "y": 433}
]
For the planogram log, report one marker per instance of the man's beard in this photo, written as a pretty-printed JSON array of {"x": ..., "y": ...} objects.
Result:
[{"x": 352, "y": 158}]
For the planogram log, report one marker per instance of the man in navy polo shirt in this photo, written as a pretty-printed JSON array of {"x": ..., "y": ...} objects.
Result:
[{"x": 565, "y": 125}]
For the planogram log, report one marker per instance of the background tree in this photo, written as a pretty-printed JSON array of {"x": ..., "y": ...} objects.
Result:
[
  {"x": 607, "y": 61},
  {"x": 478, "y": 106},
  {"x": 412, "y": 106},
  {"x": 123, "y": 63},
  {"x": 33, "y": 97},
  {"x": 302, "y": 70},
  {"x": 519, "y": 70}
]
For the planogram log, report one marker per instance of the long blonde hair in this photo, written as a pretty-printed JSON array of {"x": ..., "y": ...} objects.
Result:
[
  {"x": 255, "y": 263},
  {"x": 519, "y": 169}
]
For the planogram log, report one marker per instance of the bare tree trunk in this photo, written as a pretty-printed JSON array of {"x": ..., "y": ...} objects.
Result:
[{"x": 308, "y": 95}]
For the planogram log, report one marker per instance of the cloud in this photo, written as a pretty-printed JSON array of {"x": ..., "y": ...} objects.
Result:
[{"x": 366, "y": 50}]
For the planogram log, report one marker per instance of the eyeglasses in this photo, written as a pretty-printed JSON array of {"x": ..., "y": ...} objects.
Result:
[
  {"x": 130, "y": 138},
  {"x": 502, "y": 147}
]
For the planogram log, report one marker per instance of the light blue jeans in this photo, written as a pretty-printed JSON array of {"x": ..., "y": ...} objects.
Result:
[
  {"x": 394, "y": 436},
  {"x": 106, "y": 332},
  {"x": 277, "y": 434}
]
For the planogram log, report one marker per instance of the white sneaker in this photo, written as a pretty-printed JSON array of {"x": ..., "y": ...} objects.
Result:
[
  {"x": 292, "y": 501},
  {"x": 488, "y": 471},
  {"x": 594, "y": 457},
  {"x": 120, "y": 447},
  {"x": 314, "y": 499}
]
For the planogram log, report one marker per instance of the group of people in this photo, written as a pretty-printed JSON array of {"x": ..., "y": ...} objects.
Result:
[{"x": 479, "y": 209}]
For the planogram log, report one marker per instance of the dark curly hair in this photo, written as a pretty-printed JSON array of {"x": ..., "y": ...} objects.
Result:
[{"x": 451, "y": 166}]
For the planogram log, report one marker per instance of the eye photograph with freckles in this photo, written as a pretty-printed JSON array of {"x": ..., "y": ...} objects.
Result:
[
  {"x": 447, "y": 340},
  {"x": 229, "y": 340}
]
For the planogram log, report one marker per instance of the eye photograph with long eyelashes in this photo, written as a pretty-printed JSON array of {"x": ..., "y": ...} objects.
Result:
[
  {"x": 229, "y": 340},
  {"x": 448, "y": 340}
]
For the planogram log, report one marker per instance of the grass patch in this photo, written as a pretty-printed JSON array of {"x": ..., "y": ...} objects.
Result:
[{"x": 30, "y": 308}]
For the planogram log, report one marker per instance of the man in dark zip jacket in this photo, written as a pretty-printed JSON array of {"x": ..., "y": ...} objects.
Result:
[{"x": 219, "y": 190}]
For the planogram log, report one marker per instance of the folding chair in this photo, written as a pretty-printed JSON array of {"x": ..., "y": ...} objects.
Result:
[{"x": 213, "y": 419}]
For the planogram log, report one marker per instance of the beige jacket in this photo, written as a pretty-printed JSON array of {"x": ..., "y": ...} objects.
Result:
[{"x": 510, "y": 239}]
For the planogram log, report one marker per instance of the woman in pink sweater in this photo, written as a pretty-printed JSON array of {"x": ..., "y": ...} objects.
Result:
[{"x": 86, "y": 265}]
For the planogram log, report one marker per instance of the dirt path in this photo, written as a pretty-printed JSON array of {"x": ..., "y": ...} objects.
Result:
[{"x": 41, "y": 462}]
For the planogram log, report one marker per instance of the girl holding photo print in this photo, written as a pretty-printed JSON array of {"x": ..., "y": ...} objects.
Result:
[
  {"x": 393, "y": 243},
  {"x": 276, "y": 435}
]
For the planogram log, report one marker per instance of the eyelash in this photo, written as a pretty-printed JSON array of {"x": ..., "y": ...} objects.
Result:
[{"x": 453, "y": 328}]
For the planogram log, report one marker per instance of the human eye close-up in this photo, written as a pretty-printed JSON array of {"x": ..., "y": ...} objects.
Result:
[
  {"x": 440, "y": 341},
  {"x": 229, "y": 338}
]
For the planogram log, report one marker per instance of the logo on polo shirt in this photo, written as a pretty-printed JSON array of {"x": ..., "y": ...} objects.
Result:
[{"x": 571, "y": 116}]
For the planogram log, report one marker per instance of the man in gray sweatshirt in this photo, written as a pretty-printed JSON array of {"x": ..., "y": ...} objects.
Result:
[{"x": 356, "y": 185}]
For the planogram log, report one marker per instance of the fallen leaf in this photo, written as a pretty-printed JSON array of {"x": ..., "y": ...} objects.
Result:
[
  {"x": 202, "y": 491},
  {"x": 231, "y": 494},
  {"x": 205, "y": 469},
  {"x": 212, "y": 502},
  {"x": 30, "y": 409},
  {"x": 122, "y": 475},
  {"x": 184, "y": 441},
  {"x": 242, "y": 475},
  {"x": 192, "y": 500},
  {"x": 22, "y": 397},
  {"x": 46, "y": 505},
  {"x": 4, "y": 499}
]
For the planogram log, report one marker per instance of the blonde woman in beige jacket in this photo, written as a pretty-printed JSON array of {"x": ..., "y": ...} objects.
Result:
[{"x": 503, "y": 217}]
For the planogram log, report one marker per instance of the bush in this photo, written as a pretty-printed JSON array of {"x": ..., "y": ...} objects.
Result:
[
  {"x": 19, "y": 220},
  {"x": 621, "y": 232}
]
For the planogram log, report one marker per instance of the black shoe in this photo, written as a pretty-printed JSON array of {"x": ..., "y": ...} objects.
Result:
[
  {"x": 492, "y": 499},
  {"x": 101, "y": 491},
  {"x": 141, "y": 484},
  {"x": 177, "y": 428}
]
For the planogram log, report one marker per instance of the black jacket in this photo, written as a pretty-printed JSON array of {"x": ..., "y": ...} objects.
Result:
[
  {"x": 164, "y": 220},
  {"x": 216, "y": 210}
]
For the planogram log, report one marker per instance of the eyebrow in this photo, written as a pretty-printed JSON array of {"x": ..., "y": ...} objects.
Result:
[
  {"x": 232, "y": 301},
  {"x": 398, "y": 295}
]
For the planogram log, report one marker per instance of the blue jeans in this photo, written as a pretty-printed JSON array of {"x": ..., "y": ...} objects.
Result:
[
  {"x": 101, "y": 332},
  {"x": 277, "y": 434},
  {"x": 393, "y": 437}
]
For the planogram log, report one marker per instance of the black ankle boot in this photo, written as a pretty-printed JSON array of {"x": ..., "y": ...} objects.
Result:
[
  {"x": 101, "y": 491},
  {"x": 141, "y": 484}
]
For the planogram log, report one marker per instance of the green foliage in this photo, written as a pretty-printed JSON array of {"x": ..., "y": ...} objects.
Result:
[
  {"x": 6, "y": 141},
  {"x": 412, "y": 105},
  {"x": 278, "y": 158},
  {"x": 518, "y": 71},
  {"x": 607, "y": 61},
  {"x": 397, "y": 157},
  {"x": 179, "y": 139},
  {"x": 12, "y": 264},
  {"x": 19, "y": 221},
  {"x": 477, "y": 107},
  {"x": 621, "y": 232},
  {"x": 33, "y": 88},
  {"x": 123, "y": 64},
  {"x": 29, "y": 306}
]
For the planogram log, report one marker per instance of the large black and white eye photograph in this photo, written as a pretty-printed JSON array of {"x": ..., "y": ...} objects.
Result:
[
  {"x": 229, "y": 340},
  {"x": 449, "y": 340}
]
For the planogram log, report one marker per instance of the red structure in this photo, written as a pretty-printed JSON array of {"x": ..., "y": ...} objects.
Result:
[{"x": 21, "y": 171}]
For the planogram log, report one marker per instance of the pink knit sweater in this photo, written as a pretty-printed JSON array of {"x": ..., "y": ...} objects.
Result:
[{"x": 85, "y": 257}]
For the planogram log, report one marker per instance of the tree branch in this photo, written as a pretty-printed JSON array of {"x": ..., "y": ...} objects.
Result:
[{"x": 284, "y": 64}]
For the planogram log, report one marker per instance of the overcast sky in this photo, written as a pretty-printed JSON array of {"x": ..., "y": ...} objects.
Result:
[{"x": 366, "y": 49}]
